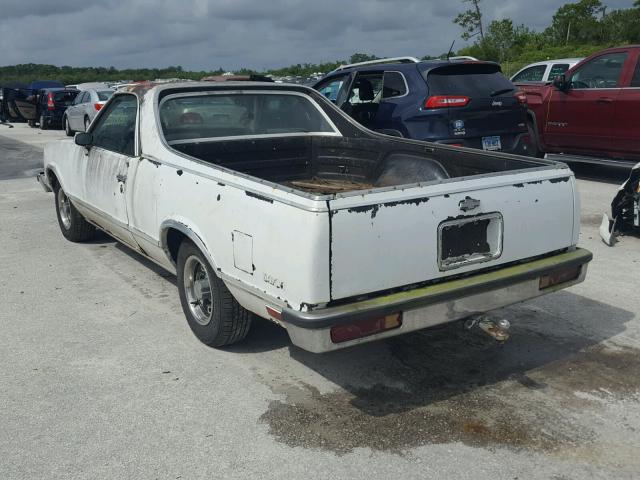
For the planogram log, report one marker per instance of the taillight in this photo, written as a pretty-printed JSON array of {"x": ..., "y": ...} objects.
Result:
[
  {"x": 521, "y": 97},
  {"x": 442, "y": 101},
  {"x": 364, "y": 328},
  {"x": 50, "y": 103},
  {"x": 98, "y": 106}
]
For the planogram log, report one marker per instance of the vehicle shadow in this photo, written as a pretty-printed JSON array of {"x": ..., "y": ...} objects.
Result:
[{"x": 432, "y": 365}]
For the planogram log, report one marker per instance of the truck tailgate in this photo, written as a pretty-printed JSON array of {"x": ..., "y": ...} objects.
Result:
[{"x": 389, "y": 239}]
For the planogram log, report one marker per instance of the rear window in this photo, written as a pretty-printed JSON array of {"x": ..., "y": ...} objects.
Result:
[
  {"x": 531, "y": 74},
  {"x": 104, "y": 95},
  {"x": 64, "y": 97},
  {"x": 471, "y": 80},
  {"x": 557, "y": 70},
  {"x": 207, "y": 117}
]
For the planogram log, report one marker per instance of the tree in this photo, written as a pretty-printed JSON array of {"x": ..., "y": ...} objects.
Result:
[
  {"x": 576, "y": 23},
  {"x": 362, "y": 57},
  {"x": 471, "y": 20}
]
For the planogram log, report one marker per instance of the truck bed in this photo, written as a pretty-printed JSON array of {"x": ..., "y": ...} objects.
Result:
[{"x": 335, "y": 165}]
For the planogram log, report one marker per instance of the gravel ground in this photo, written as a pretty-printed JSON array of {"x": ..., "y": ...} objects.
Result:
[{"x": 102, "y": 378}]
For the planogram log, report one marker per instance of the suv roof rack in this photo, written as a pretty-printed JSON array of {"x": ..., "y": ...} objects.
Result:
[
  {"x": 463, "y": 57},
  {"x": 380, "y": 60}
]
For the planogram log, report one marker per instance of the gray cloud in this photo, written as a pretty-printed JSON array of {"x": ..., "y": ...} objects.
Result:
[{"x": 207, "y": 34}]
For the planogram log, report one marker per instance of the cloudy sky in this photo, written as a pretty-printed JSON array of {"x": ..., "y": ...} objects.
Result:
[{"x": 207, "y": 34}]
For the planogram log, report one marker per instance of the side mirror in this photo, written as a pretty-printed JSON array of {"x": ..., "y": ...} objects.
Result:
[
  {"x": 84, "y": 139},
  {"x": 560, "y": 82}
]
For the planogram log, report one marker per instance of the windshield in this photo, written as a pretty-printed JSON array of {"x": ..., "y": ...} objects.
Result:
[
  {"x": 471, "y": 80},
  {"x": 104, "y": 95},
  {"x": 213, "y": 116}
]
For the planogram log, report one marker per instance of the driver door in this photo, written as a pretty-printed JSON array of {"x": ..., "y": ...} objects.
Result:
[
  {"x": 113, "y": 147},
  {"x": 579, "y": 119}
]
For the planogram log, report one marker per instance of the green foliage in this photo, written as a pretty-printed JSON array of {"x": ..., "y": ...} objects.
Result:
[
  {"x": 470, "y": 20},
  {"x": 577, "y": 30}
]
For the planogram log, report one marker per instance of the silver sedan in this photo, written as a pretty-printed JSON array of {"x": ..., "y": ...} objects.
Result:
[{"x": 85, "y": 107}]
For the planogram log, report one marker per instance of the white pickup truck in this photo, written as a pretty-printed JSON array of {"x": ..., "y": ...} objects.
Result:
[{"x": 266, "y": 199}]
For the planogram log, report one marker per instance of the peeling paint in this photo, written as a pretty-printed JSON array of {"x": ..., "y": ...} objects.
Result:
[
  {"x": 559, "y": 180},
  {"x": 258, "y": 196},
  {"x": 179, "y": 172}
]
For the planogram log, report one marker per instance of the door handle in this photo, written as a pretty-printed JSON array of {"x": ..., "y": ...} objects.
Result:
[
  {"x": 604, "y": 100},
  {"x": 121, "y": 178}
]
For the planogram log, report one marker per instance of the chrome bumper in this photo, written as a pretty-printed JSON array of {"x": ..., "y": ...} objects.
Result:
[
  {"x": 434, "y": 304},
  {"x": 41, "y": 177}
]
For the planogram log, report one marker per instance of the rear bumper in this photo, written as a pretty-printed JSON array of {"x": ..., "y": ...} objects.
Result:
[{"x": 434, "y": 304}]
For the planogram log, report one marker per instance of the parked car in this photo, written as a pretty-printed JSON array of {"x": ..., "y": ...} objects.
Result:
[
  {"x": 85, "y": 107},
  {"x": 52, "y": 104},
  {"x": 389, "y": 235},
  {"x": 591, "y": 113},
  {"x": 546, "y": 71},
  {"x": 460, "y": 103}
]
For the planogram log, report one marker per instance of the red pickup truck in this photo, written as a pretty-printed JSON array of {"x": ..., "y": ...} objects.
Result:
[{"x": 591, "y": 113}]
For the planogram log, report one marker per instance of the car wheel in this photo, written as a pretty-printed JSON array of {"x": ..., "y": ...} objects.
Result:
[
  {"x": 533, "y": 136},
  {"x": 43, "y": 123},
  {"x": 215, "y": 317},
  {"x": 31, "y": 123},
  {"x": 67, "y": 128},
  {"x": 72, "y": 224},
  {"x": 87, "y": 122}
]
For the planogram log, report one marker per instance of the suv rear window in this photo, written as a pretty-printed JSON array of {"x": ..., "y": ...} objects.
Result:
[
  {"x": 64, "y": 97},
  {"x": 471, "y": 80}
]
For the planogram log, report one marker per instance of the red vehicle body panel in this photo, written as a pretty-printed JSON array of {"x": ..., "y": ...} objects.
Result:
[{"x": 598, "y": 120}]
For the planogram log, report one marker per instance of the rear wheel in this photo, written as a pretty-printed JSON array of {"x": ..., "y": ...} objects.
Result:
[
  {"x": 72, "y": 224},
  {"x": 533, "y": 136},
  {"x": 67, "y": 128},
  {"x": 43, "y": 123},
  {"x": 215, "y": 317}
]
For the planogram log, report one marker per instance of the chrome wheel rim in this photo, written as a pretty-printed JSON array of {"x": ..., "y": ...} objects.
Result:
[
  {"x": 66, "y": 125},
  {"x": 64, "y": 207},
  {"x": 87, "y": 122},
  {"x": 197, "y": 289}
]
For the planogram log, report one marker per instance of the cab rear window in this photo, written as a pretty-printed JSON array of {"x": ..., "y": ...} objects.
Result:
[{"x": 471, "y": 80}]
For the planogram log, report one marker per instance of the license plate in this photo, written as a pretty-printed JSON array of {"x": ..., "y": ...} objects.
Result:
[
  {"x": 469, "y": 240},
  {"x": 491, "y": 143}
]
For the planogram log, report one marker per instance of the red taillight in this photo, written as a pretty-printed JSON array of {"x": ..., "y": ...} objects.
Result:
[
  {"x": 455, "y": 145},
  {"x": 98, "y": 106},
  {"x": 50, "y": 103},
  {"x": 273, "y": 313},
  {"x": 442, "y": 101},
  {"x": 364, "y": 328},
  {"x": 521, "y": 96}
]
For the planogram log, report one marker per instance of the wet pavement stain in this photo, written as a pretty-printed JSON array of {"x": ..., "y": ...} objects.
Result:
[{"x": 462, "y": 390}]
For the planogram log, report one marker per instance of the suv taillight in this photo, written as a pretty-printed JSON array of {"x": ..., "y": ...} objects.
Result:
[
  {"x": 442, "y": 101},
  {"x": 98, "y": 106},
  {"x": 50, "y": 103},
  {"x": 521, "y": 96}
]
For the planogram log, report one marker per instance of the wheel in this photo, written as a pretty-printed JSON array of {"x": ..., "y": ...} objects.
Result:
[
  {"x": 67, "y": 128},
  {"x": 43, "y": 123},
  {"x": 31, "y": 123},
  {"x": 533, "y": 136},
  {"x": 87, "y": 122},
  {"x": 215, "y": 317},
  {"x": 72, "y": 224}
]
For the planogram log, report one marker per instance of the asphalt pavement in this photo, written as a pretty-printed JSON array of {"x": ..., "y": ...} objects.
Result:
[{"x": 100, "y": 376}]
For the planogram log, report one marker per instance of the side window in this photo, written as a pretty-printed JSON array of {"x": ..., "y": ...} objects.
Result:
[
  {"x": 393, "y": 85},
  {"x": 331, "y": 88},
  {"x": 557, "y": 69},
  {"x": 367, "y": 88},
  {"x": 635, "y": 81},
  {"x": 78, "y": 99},
  {"x": 531, "y": 74},
  {"x": 115, "y": 130},
  {"x": 601, "y": 72}
]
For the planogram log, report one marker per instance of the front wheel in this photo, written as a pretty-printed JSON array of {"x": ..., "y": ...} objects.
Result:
[
  {"x": 43, "y": 123},
  {"x": 67, "y": 128},
  {"x": 215, "y": 317},
  {"x": 72, "y": 224}
]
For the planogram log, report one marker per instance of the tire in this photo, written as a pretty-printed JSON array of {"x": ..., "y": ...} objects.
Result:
[
  {"x": 533, "y": 136},
  {"x": 218, "y": 319},
  {"x": 43, "y": 123},
  {"x": 31, "y": 123},
  {"x": 87, "y": 122},
  {"x": 67, "y": 128},
  {"x": 72, "y": 224}
]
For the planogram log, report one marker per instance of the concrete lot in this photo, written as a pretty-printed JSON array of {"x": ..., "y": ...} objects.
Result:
[{"x": 100, "y": 376}]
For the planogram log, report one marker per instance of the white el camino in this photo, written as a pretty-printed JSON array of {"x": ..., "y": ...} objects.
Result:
[{"x": 265, "y": 199}]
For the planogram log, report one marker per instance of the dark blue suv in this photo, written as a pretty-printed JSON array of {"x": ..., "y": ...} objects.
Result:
[{"x": 462, "y": 103}]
